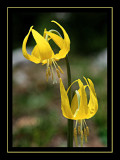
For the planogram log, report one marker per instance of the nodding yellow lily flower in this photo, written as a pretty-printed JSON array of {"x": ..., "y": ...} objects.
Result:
[
  {"x": 43, "y": 53},
  {"x": 80, "y": 108}
]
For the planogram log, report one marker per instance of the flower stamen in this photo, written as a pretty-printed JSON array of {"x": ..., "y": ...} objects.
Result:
[
  {"x": 87, "y": 131},
  {"x": 58, "y": 73},
  {"x": 82, "y": 129},
  {"x": 49, "y": 72},
  {"x": 85, "y": 134},
  {"x": 57, "y": 68},
  {"x": 53, "y": 75},
  {"x": 75, "y": 137},
  {"x": 79, "y": 128},
  {"x": 81, "y": 138},
  {"x": 47, "y": 76},
  {"x": 60, "y": 69}
]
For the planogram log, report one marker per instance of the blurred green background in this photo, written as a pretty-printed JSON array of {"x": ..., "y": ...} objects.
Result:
[{"x": 37, "y": 117}]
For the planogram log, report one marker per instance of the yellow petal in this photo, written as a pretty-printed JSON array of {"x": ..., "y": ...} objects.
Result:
[
  {"x": 74, "y": 103},
  {"x": 62, "y": 54},
  {"x": 92, "y": 86},
  {"x": 64, "y": 44},
  {"x": 35, "y": 52},
  {"x": 44, "y": 48},
  {"x": 92, "y": 105},
  {"x": 66, "y": 37},
  {"x": 65, "y": 106},
  {"x": 57, "y": 39},
  {"x": 93, "y": 102},
  {"x": 44, "y": 34},
  {"x": 44, "y": 62},
  {"x": 26, "y": 55},
  {"x": 83, "y": 109}
]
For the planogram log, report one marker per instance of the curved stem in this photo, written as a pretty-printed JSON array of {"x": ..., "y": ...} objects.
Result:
[{"x": 70, "y": 122}]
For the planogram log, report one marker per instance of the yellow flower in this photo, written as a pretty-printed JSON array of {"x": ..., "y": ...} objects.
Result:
[
  {"x": 80, "y": 108},
  {"x": 43, "y": 53}
]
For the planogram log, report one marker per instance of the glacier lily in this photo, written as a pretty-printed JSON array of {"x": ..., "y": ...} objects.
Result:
[
  {"x": 79, "y": 109},
  {"x": 43, "y": 53}
]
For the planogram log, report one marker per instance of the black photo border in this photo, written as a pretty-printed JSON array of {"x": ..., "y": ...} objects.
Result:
[{"x": 109, "y": 148}]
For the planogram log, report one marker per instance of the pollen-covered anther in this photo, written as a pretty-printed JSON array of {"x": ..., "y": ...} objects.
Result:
[
  {"x": 49, "y": 73},
  {"x": 82, "y": 134},
  {"x": 58, "y": 73},
  {"x": 81, "y": 138},
  {"x": 75, "y": 137},
  {"x": 60, "y": 69},
  {"x": 87, "y": 129},
  {"x": 75, "y": 132}
]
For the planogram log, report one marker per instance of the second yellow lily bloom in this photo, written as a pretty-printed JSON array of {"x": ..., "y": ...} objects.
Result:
[{"x": 80, "y": 109}]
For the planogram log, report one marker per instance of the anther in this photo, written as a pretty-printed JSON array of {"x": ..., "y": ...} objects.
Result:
[
  {"x": 86, "y": 139},
  {"x": 87, "y": 129},
  {"x": 75, "y": 131},
  {"x": 58, "y": 73},
  {"x": 82, "y": 134},
  {"x": 75, "y": 137},
  {"x": 82, "y": 138},
  {"x": 60, "y": 70},
  {"x": 49, "y": 73},
  {"x": 85, "y": 134}
]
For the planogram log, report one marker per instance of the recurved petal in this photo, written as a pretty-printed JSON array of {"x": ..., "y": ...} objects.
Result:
[
  {"x": 45, "y": 50},
  {"x": 65, "y": 106},
  {"x": 93, "y": 102},
  {"x": 92, "y": 105},
  {"x": 26, "y": 55},
  {"x": 66, "y": 37},
  {"x": 62, "y": 54},
  {"x": 91, "y": 86},
  {"x": 65, "y": 43},
  {"x": 44, "y": 34},
  {"x": 57, "y": 39}
]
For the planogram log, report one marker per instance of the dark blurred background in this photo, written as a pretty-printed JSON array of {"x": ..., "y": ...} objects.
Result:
[
  {"x": 88, "y": 30},
  {"x": 37, "y": 116}
]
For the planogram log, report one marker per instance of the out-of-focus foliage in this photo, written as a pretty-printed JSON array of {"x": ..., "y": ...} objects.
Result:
[{"x": 37, "y": 115}]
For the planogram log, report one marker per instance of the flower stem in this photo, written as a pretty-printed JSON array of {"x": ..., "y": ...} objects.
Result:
[{"x": 70, "y": 122}]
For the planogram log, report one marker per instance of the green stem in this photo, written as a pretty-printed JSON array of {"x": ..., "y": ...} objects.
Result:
[{"x": 70, "y": 122}]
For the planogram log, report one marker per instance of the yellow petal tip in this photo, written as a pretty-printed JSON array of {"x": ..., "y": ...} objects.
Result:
[
  {"x": 31, "y": 28},
  {"x": 54, "y": 21},
  {"x": 60, "y": 79}
]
